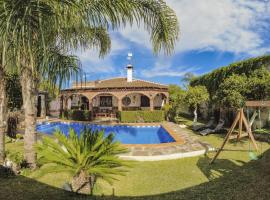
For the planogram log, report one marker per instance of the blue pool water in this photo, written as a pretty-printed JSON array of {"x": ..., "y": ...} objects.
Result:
[{"x": 124, "y": 134}]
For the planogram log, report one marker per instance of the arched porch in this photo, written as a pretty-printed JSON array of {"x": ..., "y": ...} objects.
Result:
[
  {"x": 107, "y": 104},
  {"x": 136, "y": 101},
  {"x": 104, "y": 105},
  {"x": 160, "y": 99},
  {"x": 74, "y": 102}
]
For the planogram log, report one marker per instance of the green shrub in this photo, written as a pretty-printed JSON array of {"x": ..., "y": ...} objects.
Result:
[
  {"x": 19, "y": 136},
  {"x": 16, "y": 157},
  {"x": 142, "y": 116},
  {"x": 87, "y": 115},
  {"x": 65, "y": 114},
  {"x": 77, "y": 115},
  {"x": 213, "y": 79}
]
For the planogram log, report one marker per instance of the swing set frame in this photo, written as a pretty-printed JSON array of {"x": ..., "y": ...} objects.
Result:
[{"x": 242, "y": 120}]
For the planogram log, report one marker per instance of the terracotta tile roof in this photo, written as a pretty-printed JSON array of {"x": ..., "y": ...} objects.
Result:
[{"x": 119, "y": 83}]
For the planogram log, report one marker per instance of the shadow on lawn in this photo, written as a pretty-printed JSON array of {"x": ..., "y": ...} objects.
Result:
[
  {"x": 220, "y": 168},
  {"x": 250, "y": 181}
]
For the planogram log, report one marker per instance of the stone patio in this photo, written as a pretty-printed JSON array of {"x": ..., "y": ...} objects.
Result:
[{"x": 190, "y": 146}]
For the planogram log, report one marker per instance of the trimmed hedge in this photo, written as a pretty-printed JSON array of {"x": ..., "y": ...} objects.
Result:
[
  {"x": 77, "y": 115},
  {"x": 213, "y": 79},
  {"x": 142, "y": 116}
]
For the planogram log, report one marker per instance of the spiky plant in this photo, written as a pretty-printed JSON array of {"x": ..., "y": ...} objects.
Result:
[{"x": 86, "y": 157}]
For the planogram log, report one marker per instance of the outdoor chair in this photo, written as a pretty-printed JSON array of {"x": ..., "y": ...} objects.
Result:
[
  {"x": 202, "y": 127},
  {"x": 218, "y": 128}
]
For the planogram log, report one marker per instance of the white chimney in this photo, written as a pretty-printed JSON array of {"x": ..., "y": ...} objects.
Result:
[{"x": 129, "y": 73}]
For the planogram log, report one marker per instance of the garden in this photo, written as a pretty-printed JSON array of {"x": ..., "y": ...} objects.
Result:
[
  {"x": 237, "y": 173},
  {"x": 86, "y": 165}
]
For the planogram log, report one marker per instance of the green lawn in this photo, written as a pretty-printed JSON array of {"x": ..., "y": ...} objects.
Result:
[{"x": 233, "y": 176}]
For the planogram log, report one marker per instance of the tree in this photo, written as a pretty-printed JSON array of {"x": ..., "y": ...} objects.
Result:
[
  {"x": 176, "y": 94},
  {"x": 87, "y": 157},
  {"x": 194, "y": 97},
  {"x": 259, "y": 85},
  {"x": 73, "y": 25},
  {"x": 5, "y": 66},
  {"x": 232, "y": 92},
  {"x": 188, "y": 77},
  {"x": 3, "y": 113}
]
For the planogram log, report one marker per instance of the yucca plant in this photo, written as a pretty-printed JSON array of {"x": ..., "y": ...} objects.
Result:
[{"x": 87, "y": 157}]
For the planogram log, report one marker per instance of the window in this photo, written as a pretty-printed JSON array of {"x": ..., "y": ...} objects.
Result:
[
  {"x": 105, "y": 101},
  {"x": 126, "y": 101},
  {"x": 145, "y": 102}
]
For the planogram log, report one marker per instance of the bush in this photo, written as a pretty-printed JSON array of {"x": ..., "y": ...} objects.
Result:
[
  {"x": 16, "y": 158},
  {"x": 65, "y": 114},
  {"x": 213, "y": 80},
  {"x": 142, "y": 116},
  {"x": 77, "y": 115}
]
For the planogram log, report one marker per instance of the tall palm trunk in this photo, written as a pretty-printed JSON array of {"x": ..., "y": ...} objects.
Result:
[
  {"x": 29, "y": 93},
  {"x": 3, "y": 114}
]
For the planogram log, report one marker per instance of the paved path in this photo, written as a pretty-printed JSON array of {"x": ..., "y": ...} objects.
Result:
[{"x": 191, "y": 146}]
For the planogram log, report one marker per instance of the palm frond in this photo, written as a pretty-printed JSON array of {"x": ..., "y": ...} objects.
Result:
[{"x": 59, "y": 68}]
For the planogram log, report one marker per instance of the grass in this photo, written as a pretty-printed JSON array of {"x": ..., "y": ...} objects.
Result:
[{"x": 233, "y": 176}]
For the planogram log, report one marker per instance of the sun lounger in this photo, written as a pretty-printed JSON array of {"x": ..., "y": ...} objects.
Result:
[
  {"x": 218, "y": 128},
  {"x": 201, "y": 127}
]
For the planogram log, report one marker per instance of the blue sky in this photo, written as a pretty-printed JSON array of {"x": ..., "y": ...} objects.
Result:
[{"x": 214, "y": 33}]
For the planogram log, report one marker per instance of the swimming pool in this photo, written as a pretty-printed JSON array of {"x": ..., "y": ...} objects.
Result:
[{"x": 123, "y": 133}]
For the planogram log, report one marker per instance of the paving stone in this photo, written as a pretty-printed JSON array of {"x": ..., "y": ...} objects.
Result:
[
  {"x": 156, "y": 153},
  {"x": 191, "y": 143},
  {"x": 140, "y": 153}
]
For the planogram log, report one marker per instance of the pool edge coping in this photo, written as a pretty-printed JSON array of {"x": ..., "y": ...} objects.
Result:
[
  {"x": 178, "y": 140},
  {"x": 166, "y": 157}
]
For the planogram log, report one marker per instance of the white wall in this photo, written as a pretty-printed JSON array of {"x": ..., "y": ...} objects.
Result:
[
  {"x": 75, "y": 101},
  {"x": 54, "y": 108},
  {"x": 135, "y": 100},
  {"x": 158, "y": 101}
]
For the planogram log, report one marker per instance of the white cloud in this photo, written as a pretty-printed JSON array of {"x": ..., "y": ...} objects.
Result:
[
  {"x": 163, "y": 67},
  {"x": 92, "y": 63},
  {"x": 224, "y": 25}
]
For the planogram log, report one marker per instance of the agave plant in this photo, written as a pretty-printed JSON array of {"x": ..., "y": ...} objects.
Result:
[{"x": 87, "y": 157}]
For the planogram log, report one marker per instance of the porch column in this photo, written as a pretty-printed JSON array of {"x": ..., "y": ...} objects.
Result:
[
  {"x": 65, "y": 103},
  {"x": 151, "y": 104},
  {"x": 167, "y": 100},
  {"x": 61, "y": 100},
  {"x": 91, "y": 108},
  {"x": 119, "y": 105}
]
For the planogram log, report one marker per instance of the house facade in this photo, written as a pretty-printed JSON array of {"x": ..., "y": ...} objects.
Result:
[{"x": 106, "y": 97}]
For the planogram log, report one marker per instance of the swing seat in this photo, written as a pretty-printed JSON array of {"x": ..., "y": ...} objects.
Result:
[{"x": 232, "y": 137}]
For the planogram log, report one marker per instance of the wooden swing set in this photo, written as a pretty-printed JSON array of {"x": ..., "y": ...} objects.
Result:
[{"x": 242, "y": 120}]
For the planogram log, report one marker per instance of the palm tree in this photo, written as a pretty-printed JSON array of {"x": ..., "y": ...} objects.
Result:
[
  {"x": 3, "y": 113},
  {"x": 4, "y": 70},
  {"x": 36, "y": 26},
  {"x": 87, "y": 157}
]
